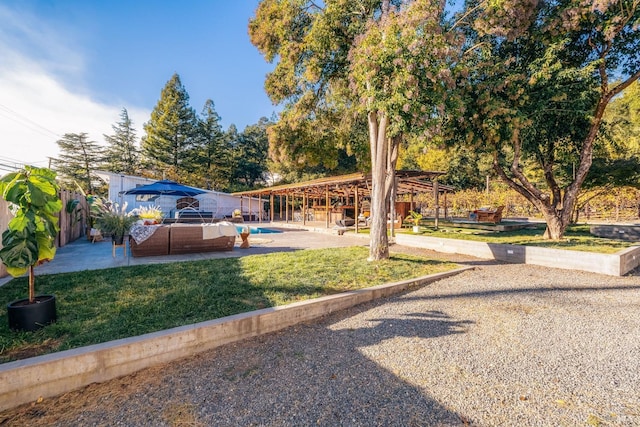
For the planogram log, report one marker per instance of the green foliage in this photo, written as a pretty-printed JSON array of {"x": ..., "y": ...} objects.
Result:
[
  {"x": 122, "y": 154},
  {"x": 79, "y": 159},
  {"x": 414, "y": 217},
  {"x": 250, "y": 152},
  {"x": 311, "y": 43},
  {"x": 539, "y": 77},
  {"x": 115, "y": 220},
  {"x": 171, "y": 131},
  {"x": 136, "y": 300},
  {"x": 212, "y": 152},
  {"x": 30, "y": 238},
  {"x": 382, "y": 65}
]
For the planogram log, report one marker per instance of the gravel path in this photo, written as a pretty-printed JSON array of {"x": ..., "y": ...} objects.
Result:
[{"x": 507, "y": 345}]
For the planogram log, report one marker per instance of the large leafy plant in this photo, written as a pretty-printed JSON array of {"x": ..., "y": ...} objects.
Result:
[{"x": 31, "y": 234}]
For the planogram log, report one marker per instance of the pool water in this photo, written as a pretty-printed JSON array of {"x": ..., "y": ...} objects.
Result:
[{"x": 257, "y": 230}]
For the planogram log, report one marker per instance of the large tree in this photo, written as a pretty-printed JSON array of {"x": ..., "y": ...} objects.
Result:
[
  {"x": 541, "y": 74},
  {"x": 171, "y": 132},
  {"x": 387, "y": 62},
  {"x": 212, "y": 153},
  {"x": 121, "y": 154},
  {"x": 249, "y": 153},
  {"x": 79, "y": 158},
  {"x": 623, "y": 120}
]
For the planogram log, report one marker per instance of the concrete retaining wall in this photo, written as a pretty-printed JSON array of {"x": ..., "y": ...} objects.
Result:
[
  {"x": 617, "y": 264},
  {"x": 27, "y": 380},
  {"x": 630, "y": 233}
]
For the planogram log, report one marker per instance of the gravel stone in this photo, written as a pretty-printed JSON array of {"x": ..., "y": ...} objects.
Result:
[{"x": 507, "y": 345}]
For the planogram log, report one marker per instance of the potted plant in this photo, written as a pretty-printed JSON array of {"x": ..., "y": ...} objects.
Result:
[
  {"x": 30, "y": 240},
  {"x": 236, "y": 216},
  {"x": 150, "y": 215},
  {"x": 116, "y": 221},
  {"x": 415, "y": 218}
]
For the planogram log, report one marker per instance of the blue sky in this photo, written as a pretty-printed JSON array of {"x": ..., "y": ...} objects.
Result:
[{"x": 70, "y": 66}]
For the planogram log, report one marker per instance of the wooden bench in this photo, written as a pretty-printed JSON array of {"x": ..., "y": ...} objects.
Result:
[{"x": 490, "y": 216}]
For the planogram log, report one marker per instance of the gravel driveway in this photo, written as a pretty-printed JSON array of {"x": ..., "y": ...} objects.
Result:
[{"x": 508, "y": 345}]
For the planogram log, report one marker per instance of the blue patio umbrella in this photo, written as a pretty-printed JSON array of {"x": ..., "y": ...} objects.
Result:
[{"x": 166, "y": 188}]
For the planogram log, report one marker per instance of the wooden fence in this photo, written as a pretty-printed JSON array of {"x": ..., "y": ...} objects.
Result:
[
  {"x": 5, "y": 217},
  {"x": 72, "y": 224}
]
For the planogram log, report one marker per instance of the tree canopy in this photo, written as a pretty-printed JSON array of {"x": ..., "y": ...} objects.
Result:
[
  {"x": 122, "y": 153},
  {"x": 78, "y": 160},
  {"x": 171, "y": 131},
  {"x": 540, "y": 76},
  {"x": 344, "y": 66}
]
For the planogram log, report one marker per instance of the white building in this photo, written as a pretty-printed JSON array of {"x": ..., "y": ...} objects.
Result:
[{"x": 209, "y": 204}]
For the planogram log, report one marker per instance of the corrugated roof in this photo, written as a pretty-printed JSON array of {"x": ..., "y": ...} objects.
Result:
[{"x": 409, "y": 181}]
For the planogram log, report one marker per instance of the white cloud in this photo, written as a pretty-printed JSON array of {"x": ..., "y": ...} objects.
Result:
[{"x": 36, "y": 105}]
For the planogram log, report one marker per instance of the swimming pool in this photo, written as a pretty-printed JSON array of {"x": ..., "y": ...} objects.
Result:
[{"x": 257, "y": 230}]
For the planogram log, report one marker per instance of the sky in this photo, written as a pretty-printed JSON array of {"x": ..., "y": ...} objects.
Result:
[{"x": 71, "y": 66}]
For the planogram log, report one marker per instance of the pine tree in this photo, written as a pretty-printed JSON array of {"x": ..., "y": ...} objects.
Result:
[
  {"x": 78, "y": 160},
  {"x": 121, "y": 154},
  {"x": 171, "y": 132},
  {"x": 250, "y": 153},
  {"x": 212, "y": 155}
]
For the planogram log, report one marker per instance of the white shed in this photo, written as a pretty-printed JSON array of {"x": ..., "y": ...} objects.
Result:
[{"x": 209, "y": 204}]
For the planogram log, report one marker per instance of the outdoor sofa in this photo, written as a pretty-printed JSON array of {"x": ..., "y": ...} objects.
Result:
[{"x": 182, "y": 239}]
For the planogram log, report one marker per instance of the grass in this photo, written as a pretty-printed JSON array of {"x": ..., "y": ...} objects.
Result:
[
  {"x": 103, "y": 305},
  {"x": 576, "y": 238}
]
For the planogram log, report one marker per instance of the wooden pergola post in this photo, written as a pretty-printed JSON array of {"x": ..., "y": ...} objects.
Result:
[
  {"x": 357, "y": 207},
  {"x": 437, "y": 197},
  {"x": 304, "y": 208},
  {"x": 286, "y": 207},
  {"x": 326, "y": 205},
  {"x": 260, "y": 208},
  {"x": 280, "y": 218},
  {"x": 250, "y": 200},
  {"x": 392, "y": 208},
  {"x": 271, "y": 212},
  {"x": 446, "y": 212},
  {"x": 413, "y": 208}
]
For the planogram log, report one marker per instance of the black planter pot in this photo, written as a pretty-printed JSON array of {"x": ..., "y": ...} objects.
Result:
[
  {"x": 118, "y": 240},
  {"x": 31, "y": 317}
]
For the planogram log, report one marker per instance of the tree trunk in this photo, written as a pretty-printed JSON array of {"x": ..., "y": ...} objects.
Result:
[
  {"x": 379, "y": 242},
  {"x": 32, "y": 287},
  {"x": 556, "y": 225}
]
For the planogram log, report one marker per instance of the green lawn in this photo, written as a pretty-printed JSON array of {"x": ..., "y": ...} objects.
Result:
[
  {"x": 103, "y": 305},
  {"x": 577, "y": 237}
]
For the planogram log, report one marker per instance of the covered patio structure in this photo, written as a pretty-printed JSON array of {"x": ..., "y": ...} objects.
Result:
[{"x": 327, "y": 200}]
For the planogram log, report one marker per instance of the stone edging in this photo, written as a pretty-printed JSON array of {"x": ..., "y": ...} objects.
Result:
[
  {"x": 49, "y": 375},
  {"x": 617, "y": 264}
]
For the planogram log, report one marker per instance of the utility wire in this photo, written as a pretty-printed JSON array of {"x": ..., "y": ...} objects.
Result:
[
  {"x": 25, "y": 121},
  {"x": 9, "y": 165}
]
